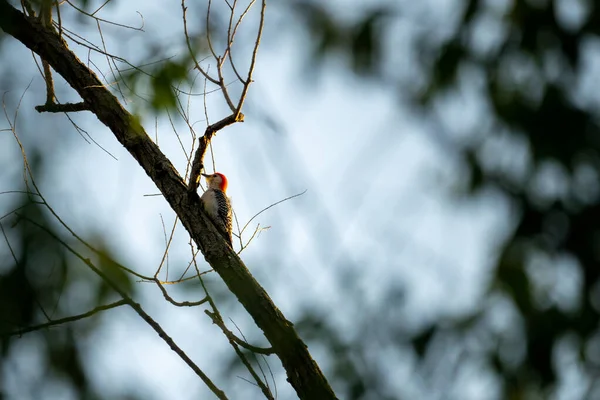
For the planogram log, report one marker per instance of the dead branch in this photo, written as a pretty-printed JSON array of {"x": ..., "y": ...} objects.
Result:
[{"x": 53, "y": 107}]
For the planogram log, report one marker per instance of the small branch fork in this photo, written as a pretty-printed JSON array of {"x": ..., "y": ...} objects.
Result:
[
  {"x": 45, "y": 16},
  {"x": 204, "y": 143},
  {"x": 236, "y": 109}
]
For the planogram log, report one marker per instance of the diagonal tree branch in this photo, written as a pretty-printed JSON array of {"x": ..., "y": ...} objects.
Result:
[{"x": 302, "y": 371}]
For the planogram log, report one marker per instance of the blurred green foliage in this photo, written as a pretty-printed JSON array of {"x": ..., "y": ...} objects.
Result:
[
  {"x": 163, "y": 79},
  {"x": 533, "y": 86},
  {"x": 41, "y": 281}
]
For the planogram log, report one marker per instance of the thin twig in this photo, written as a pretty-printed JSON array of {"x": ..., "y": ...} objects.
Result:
[
  {"x": 194, "y": 254},
  {"x": 179, "y": 303},
  {"x": 18, "y": 191},
  {"x": 210, "y": 46},
  {"x": 110, "y": 61},
  {"x": 141, "y": 28},
  {"x": 271, "y": 206},
  {"x": 185, "y": 154},
  {"x": 230, "y": 335},
  {"x": 232, "y": 38},
  {"x": 46, "y": 19},
  {"x": 262, "y": 356},
  {"x": 59, "y": 19},
  {"x": 263, "y": 387},
  {"x": 17, "y": 209},
  {"x": 167, "y": 246},
  {"x": 237, "y": 224},
  {"x": 65, "y": 320},
  {"x": 256, "y": 231},
  {"x": 82, "y": 131},
  {"x": 101, "y": 7},
  {"x": 253, "y": 62},
  {"x": 219, "y": 61},
  {"x": 189, "y": 45},
  {"x": 12, "y": 252}
]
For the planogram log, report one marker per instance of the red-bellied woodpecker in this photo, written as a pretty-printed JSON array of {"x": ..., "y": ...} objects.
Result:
[{"x": 217, "y": 204}]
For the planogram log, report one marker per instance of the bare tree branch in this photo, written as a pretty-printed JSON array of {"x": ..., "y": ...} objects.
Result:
[
  {"x": 189, "y": 45},
  {"x": 65, "y": 320},
  {"x": 198, "y": 164},
  {"x": 253, "y": 62},
  {"x": 93, "y": 15},
  {"x": 179, "y": 303},
  {"x": 46, "y": 18},
  {"x": 62, "y": 108}
]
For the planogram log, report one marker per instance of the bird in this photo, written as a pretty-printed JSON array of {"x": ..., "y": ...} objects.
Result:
[{"x": 217, "y": 204}]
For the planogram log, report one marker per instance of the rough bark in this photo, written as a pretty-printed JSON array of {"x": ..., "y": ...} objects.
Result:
[{"x": 302, "y": 371}]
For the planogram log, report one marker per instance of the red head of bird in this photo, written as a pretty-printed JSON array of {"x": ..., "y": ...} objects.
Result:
[{"x": 216, "y": 181}]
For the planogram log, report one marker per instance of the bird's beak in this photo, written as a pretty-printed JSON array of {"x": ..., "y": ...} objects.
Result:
[{"x": 205, "y": 175}]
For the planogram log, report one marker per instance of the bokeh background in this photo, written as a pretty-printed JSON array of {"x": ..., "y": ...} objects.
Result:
[{"x": 447, "y": 243}]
